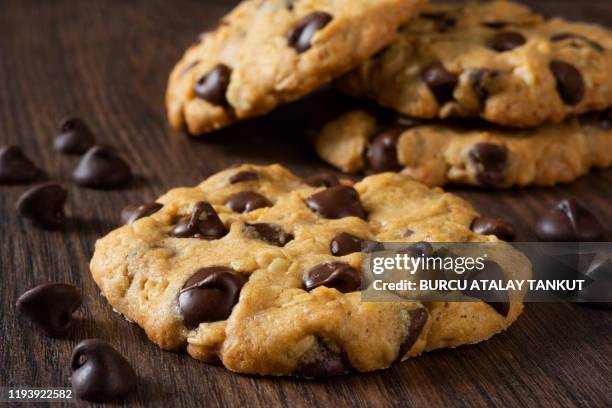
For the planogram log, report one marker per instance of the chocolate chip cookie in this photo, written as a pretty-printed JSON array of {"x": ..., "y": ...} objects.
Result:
[
  {"x": 268, "y": 52},
  {"x": 498, "y": 61},
  {"x": 273, "y": 285},
  {"x": 468, "y": 152}
]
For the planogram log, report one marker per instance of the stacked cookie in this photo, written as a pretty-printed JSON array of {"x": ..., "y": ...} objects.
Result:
[{"x": 537, "y": 94}]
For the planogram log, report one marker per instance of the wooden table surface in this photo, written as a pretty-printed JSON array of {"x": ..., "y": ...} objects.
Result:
[{"x": 107, "y": 61}]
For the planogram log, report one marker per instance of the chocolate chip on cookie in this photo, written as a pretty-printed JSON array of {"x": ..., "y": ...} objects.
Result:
[
  {"x": 502, "y": 229},
  {"x": 210, "y": 294},
  {"x": 418, "y": 249},
  {"x": 203, "y": 223},
  {"x": 50, "y": 307},
  {"x": 381, "y": 154},
  {"x": 44, "y": 205},
  {"x": 74, "y": 137},
  {"x": 100, "y": 373},
  {"x": 134, "y": 212},
  {"x": 569, "y": 221},
  {"x": 247, "y": 201},
  {"x": 483, "y": 82},
  {"x": 213, "y": 86},
  {"x": 323, "y": 363},
  {"x": 506, "y": 41},
  {"x": 490, "y": 161},
  {"x": 337, "y": 275},
  {"x": 243, "y": 176},
  {"x": 300, "y": 36},
  {"x": 416, "y": 323},
  {"x": 570, "y": 84},
  {"x": 15, "y": 167},
  {"x": 325, "y": 179},
  {"x": 440, "y": 82},
  {"x": 344, "y": 244},
  {"x": 102, "y": 168},
  {"x": 337, "y": 202},
  {"x": 270, "y": 233},
  {"x": 499, "y": 299}
]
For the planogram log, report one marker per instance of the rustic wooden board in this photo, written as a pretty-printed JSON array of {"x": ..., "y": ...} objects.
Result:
[{"x": 107, "y": 61}]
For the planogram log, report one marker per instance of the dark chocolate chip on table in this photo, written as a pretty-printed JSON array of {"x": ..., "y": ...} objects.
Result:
[
  {"x": 502, "y": 229},
  {"x": 247, "y": 201},
  {"x": 323, "y": 363},
  {"x": 416, "y": 323},
  {"x": 490, "y": 161},
  {"x": 100, "y": 373},
  {"x": 50, "y": 307},
  {"x": 598, "y": 293},
  {"x": 381, "y": 154},
  {"x": 44, "y": 205},
  {"x": 15, "y": 167},
  {"x": 212, "y": 87},
  {"x": 102, "y": 168},
  {"x": 300, "y": 36},
  {"x": 325, "y": 179},
  {"x": 570, "y": 84},
  {"x": 243, "y": 176},
  {"x": 270, "y": 233},
  {"x": 210, "y": 294},
  {"x": 74, "y": 137},
  {"x": 506, "y": 41},
  {"x": 337, "y": 202},
  {"x": 337, "y": 275},
  {"x": 440, "y": 82},
  {"x": 135, "y": 212},
  {"x": 203, "y": 223},
  {"x": 568, "y": 221}
]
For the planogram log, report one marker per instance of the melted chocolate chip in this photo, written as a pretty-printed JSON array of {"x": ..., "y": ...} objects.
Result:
[
  {"x": 50, "y": 307},
  {"x": 571, "y": 36},
  {"x": 272, "y": 234},
  {"x": 325, "y": 179},
  {"x": 345, "y": 243},
  {"x": 300, "y": 36},
  {"x": 506, "y": 41},
  {"x": 204, "y": 223},
  {"x": 441, "y": 82},
  {"x": 498, "y": 300},
  {"x": 570, "y": 84},
  {"x": 337, "y": 202},
  {"x": 502, "y": 229},
  {"x": 324, "y": 363},
  {"x": 338, "y": 275},
  {"x": 382, "y": 151},
  {"x": 102, "y": 168},
  {"x": 44, "y": 205},
  {"x": 490, "y": 161},
  {"x": 212, "y": 87},
  {"x": 15, "y": 167},
  {"x": 74, "y": 137},
  {"x": 243, "y": 176},
  {"x": 416, "y": 323},
  {"x": 568, "y": 221},
  {"x": 483, "y": 81},
  {"x": 135, "y": 212},
  {"x": 100, "y": 373},
  {"x": 247, "y": 201},
  {"x": 210, "y": 294}
]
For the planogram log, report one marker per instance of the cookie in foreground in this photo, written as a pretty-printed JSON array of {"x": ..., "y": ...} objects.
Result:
[
  {"x": 494, "y": 60},
  {"x": 258, "y": 289},
  {"x": 266, "y": 53}
]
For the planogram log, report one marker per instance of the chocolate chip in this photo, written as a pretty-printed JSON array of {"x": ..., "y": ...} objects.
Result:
[
  {"x": 272, "y": 234},
  {"x": 100, "y": 373},
  {"x": 382, "y": 151},
  {"x": 325, "y": 179},
  {"x": 495, "y": 24},
  {"x": 506, "y": 41},
  {"x": 598, "y": 293},
  {"x": 243, "y": 176},
  {"x": 203, "y": 223},
  {"x": 602, "y": 120},
  {"x": 572, "y": 36},
  {"x": 416, "y": 323},
  {"x": 345, "y": 243},
  {"x": 300, "y": 36},
  {"x": 323, "y": 363},
  {"x": 502, "y": 229},
  {"x": 15, "y": 167},
  {"x": 44, "y": 205},
  {"x": 337, "y": 202},
  {"x": 338, "y": 275},
  {"x": 443, "y": 20},
  {"x": 569, "y": 221},
  {"x": 417, "y": 250},
  {"x": 490, "y": 161},
  {"x": 498, "y": 300},
  {"x": 74, "y": 137},
  {"x": 213, "y": 86},
  {"x": 135, "y": 212},
  {"x": 247, "y": 201},
  {"x": 483, "y": 81},
  {"x": 440, "y": 82},
  {"x": 570, "y": 84},
  {"x": 50, "y": 307},
  {"x": 102, "y": 168},
  {"x": 210, "y": 294}
]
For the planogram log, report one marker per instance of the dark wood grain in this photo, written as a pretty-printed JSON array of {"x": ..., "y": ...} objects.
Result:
[{"x": 108, "y": 61}]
